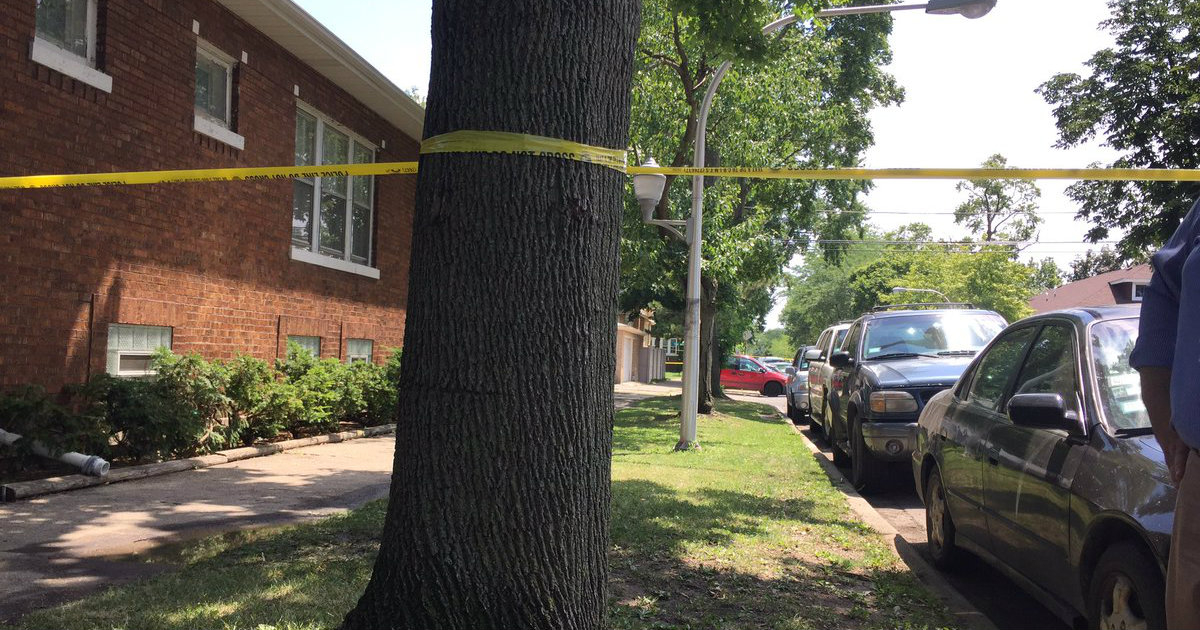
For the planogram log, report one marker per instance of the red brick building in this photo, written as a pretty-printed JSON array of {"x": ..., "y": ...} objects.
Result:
[{"x": 94, "y": 278}]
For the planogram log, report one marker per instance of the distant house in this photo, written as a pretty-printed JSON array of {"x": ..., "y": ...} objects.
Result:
[
  {"x": 640, "y": 356},
  {"x": 1115, "y": 287},
  {"x": 97, "y": 278}
]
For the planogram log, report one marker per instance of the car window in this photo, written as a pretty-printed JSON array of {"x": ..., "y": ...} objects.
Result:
[
  {"x": 1119, "y": 385},
  {"x": 731, "y": 363},
  {"x": 850, "y": 343},
  {"x": 841, "y": 336},
  {"x": 822, "y": 340},
  {"x": 746, "y": 365},
  {"x": 1050, "y": 367},
  {"x": 996, "y": 368},
  {"x": 946, "y": 333}
]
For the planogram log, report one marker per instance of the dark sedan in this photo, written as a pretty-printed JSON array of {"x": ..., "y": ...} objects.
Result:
[{"x": 1041, "y": 461}]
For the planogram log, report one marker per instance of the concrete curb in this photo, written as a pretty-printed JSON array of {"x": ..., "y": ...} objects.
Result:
[
  {"x": 965, "y": 614},
  {"x": 26, "y": 489}
]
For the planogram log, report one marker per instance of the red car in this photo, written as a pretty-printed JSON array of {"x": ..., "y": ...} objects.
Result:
[{"x": 742, "y": 372}]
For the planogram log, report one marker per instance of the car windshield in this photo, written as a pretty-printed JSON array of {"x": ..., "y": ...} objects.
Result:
[
  {"x": 935, "y": 333},
  {"x": 1119, "y": 385}
]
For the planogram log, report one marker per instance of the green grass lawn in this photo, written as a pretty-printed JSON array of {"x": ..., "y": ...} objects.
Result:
[{"x": 747, "y": 533}]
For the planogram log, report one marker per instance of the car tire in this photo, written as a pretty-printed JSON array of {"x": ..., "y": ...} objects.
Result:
[
  {"x": 1126, "y": 590},
  {"x": 772, "y": 389},
  {"x": 939, "y": 526},
  {"x": 866, "y": 472}
]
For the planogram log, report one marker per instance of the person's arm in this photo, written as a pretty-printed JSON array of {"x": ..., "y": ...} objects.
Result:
[{"x": 1156, "y": 394}]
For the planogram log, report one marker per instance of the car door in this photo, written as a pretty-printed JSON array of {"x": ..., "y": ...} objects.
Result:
[
  {"x": 842, "y": 381},
  {"x": 1028, "y": 477},
  {"x": 731, "y": 374},
  {"x": 816, "y": 393},
  {"x": 969, "y": 419}
]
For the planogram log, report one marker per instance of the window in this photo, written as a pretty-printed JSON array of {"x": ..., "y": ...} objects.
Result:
[
  {"x": 1139, "y": 291},
  {"x": 214, "y": 95},
  {"x": 850, "y": 342},
  {"x": 1050, "y": 368},
  {"x": 996, "y": 368},
  {"x": 332, "y": 217},
  {"x": 359, "y": 350},
  {"x": 312, "y": 344},
  {"x": 131, "y": 348},
  {"x": 66, "y": 40}
]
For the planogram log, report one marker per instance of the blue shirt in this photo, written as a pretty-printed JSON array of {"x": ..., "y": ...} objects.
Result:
[{"x": 1169, "y": 331}]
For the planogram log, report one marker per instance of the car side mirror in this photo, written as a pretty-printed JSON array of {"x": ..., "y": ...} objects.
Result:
[
  {"x": 813, "y": 355},
  {"x": 840, "y": 359},
  {"x": 789, "y": 370},
  {"x": 1041, "y": 411}
]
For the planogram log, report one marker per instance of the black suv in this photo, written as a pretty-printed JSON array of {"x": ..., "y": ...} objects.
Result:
[{"x": 893, "y": 360}]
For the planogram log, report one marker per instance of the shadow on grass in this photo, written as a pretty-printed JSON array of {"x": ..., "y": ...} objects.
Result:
[
  {"x": 667, "y": 593},
  {"x": 651, "y": 518}
]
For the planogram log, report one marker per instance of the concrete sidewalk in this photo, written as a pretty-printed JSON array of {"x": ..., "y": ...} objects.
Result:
[
  {"x": 62, "y": 546},
  {"x": 625, "y": 394}
]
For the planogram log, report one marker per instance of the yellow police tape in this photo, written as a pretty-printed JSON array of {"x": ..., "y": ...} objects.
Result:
[
  {"x": 523, "y": 144},
  {"x": 403, "y": 168}
]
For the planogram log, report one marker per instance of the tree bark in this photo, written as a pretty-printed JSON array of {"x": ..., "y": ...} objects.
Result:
[
  {"x": 708, "y": 320},
  {"x": 498, "y": 512}
]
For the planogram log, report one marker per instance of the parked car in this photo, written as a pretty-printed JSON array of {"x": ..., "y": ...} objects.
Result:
[
  {"x": 743, "y": 372},
  {"x": 820, "y": 374},
  {"x": 890, "y": 364},
  {"x": 1041, "y": 461},
  {"x": 796, "y": 389},
  {"x": 779, "y": 364}
]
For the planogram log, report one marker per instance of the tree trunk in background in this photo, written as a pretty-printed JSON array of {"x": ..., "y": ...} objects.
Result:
[
  {"x": 709, "y": 373},
  {"x": 498, "y": 513}
]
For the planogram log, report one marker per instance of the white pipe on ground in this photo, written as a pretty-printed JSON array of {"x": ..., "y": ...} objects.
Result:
[{"x": 87, "y": 464}]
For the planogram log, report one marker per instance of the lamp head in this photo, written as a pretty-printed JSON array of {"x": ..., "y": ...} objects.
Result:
[
  {"x": 971, "y": 9},
  {"x": 648, "y": 188}
]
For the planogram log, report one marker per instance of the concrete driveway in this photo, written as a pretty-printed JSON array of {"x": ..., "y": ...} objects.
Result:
[{"x": 62, "y": 546}]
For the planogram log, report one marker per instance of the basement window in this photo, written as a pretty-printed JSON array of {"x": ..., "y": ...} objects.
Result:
[
  {"x": 359, "y": 350},
  {"x": 65, "y": 40},
  {"x": 131, "y": 348},
  {"x": 312, "y": 344}
]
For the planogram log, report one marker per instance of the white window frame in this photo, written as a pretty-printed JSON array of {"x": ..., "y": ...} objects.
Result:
[
  {"x": 206, "y": 123},
  {"x": 114, "y": 369},
  {"x": 83, "y": 69},
  {"x": 367, "y": 358},
  {"x": 312, "y": 254},
  {"x": 292, "y": 338},
  {"x": 1134, "y": 291}
]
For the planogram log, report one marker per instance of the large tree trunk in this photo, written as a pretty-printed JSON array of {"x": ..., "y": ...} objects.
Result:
[
  {"x": 708, "y": 329},
  {"x": 498, "y": 513}
]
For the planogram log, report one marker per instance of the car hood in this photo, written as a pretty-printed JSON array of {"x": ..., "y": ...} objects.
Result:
[{"x": 918, "y": 371}]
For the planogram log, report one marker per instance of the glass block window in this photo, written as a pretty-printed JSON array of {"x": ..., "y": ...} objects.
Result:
[
  {"x": 131, "y": 348},
  {"x": 312, "y": 344},
  {"x": 333, "y": 216},
  {"x": 69, "y": 25},
  {"x": 214, "y": 85},
  {"x": 359, "y": 350}
]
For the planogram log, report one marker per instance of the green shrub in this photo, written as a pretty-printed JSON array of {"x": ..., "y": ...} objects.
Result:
[
  {"x": 35, "y": 416},
  {"x": 380, "y": 391},
  {"x": 261, "y": 406},
  {"x": 194, "y": 387}
]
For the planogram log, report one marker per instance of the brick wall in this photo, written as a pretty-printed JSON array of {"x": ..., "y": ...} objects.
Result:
[{"x": 211, "y": 260}]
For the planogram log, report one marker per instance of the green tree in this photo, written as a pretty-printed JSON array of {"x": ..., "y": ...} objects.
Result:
[
  {"x": 999, "y": 209},
  {"x": 498, "y": 510},
  {"x": 798, "y": 99},
  {"x": 1104, "y": 260},
  {"x": 1140, "y": 99},
  {"x": 1046, "y": 275}
]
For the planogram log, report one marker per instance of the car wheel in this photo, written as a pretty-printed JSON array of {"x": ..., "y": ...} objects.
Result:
[
  {"x": 939, "y": 527},
  {"x": 865, "y": 470},
  {"x": 772, "y": 389},
  {"x": 791, "y": 412},
  {"x": 1126, "y": 590}
]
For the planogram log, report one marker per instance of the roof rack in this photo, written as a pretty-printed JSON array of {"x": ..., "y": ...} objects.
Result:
[{"x": 917, "y": 305}]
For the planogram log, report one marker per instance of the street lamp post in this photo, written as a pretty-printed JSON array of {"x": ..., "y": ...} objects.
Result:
[
  {"x": 691, "y": 362},
  {"x": 912, "y": 290}
]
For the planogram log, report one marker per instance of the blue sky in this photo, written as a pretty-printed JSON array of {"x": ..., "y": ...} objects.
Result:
[{"x": 969, "y": 94}]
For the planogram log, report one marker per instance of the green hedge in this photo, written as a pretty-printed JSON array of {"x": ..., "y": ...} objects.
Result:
[{"x": 195, "y": 406}]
